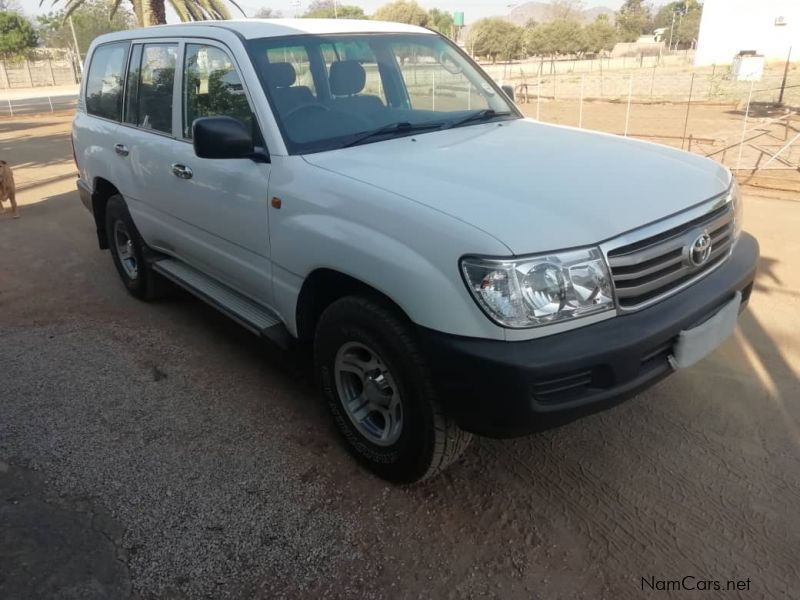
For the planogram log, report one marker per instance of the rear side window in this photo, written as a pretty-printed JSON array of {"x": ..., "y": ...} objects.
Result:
[
  {"x": 151, "y": 80},
  {"x": 104, "y": 82}
]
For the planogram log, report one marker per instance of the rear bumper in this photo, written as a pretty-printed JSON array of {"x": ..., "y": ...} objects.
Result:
[
  {"x": 85, "y": 194},
  {"x": 88, "y": 200},
  {"x": 504, "y": 389}
]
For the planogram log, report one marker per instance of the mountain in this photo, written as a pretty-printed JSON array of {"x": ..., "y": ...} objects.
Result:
[{"x": 541, "y": 12}]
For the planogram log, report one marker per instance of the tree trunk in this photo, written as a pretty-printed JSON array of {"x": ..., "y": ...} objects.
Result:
[
  {"x": 158, "y": 12},
  {"x": 149, "y": 12}
]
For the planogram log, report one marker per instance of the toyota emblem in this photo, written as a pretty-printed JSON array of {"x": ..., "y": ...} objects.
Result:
[{"x": 700, "y": 249}]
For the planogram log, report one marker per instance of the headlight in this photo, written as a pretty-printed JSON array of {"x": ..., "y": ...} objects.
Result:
[
  {"x": 738, "y": 208},
  {"x": 539, "y": 290}
]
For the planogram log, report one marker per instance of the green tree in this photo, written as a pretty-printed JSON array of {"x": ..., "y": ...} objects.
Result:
[
  {"x": 682, "y": 18},
  {"x": 326, "y": 9},
  {"x": 16, "y": 34},
  {"x": 556, "y": 37},
  {"x": 90, "y": 20},
  {"x": 633, "y": 19},
  {"x": 154, "y": 12},
  {"x": 403, "y": 11},
  {"x": 441, "y": 21},
  {"x": 600, "y": 35},
  {"x": 688, "y": 28},
  {"x": 495, "y": 38}
]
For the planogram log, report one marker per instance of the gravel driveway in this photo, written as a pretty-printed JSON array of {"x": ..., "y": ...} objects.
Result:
[{"x": 159, "y": 451}]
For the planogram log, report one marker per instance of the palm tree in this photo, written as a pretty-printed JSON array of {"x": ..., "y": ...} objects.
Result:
[{"x": 153, "y": 12}]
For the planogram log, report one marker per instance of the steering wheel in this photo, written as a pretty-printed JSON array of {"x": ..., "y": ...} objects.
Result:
[{"x": 306, "y": 106}]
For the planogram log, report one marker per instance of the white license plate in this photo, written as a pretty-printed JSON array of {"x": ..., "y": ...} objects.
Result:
[{"x": 697, "y": 343}]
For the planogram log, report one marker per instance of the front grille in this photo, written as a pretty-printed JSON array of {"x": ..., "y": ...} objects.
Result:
[{"x": 652, "y": 268}]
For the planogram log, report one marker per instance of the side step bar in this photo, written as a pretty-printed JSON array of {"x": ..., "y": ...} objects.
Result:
[{"x": 253, "y": 316}]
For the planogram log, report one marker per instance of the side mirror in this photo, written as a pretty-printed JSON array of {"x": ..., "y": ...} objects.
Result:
[
  {"x": 222, "y": 137},
  {"x": 509, "y": 91}
]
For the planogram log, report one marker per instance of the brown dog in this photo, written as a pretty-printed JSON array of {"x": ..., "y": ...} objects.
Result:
[{"x": 7, "y": 188}]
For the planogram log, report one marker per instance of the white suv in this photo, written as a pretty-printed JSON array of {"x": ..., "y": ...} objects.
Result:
[{"x": 363, "y": 190}]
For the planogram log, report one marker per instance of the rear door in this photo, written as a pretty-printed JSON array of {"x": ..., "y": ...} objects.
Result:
[{"x": 143, "y": 143}]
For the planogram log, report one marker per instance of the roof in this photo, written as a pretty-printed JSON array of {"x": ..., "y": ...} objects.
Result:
[{"x": 259, "y": 28}]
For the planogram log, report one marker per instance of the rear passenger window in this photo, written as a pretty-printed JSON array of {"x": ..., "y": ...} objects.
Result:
[
  {"x": 151, "y": 81},
  {"x": 212, "y": 88},
  {"x": 104, "y": 82}
]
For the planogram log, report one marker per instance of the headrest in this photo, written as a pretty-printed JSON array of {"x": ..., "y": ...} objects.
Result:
[
  {"x": 280, "y": 74},
  {"x": 347, "y": 77}
]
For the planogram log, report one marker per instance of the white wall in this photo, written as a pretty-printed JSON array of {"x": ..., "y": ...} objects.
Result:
[{"x": 728, "y": 26}]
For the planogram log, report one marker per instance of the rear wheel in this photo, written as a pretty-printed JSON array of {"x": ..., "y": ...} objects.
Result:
[
  {"x": 128, "y": 251},
  {"x": 379, "y": 392}
]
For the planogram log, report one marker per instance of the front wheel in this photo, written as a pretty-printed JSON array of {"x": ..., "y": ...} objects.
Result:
[{"x": 379, "y": 392}]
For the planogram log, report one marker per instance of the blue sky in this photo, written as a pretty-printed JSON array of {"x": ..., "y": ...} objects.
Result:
[{"x": 473, "y": 9}]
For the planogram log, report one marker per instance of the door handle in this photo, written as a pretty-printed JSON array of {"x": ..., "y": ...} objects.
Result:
[
  {"x": 182, "y": 171},
  {"x": 121, "y": 150}
]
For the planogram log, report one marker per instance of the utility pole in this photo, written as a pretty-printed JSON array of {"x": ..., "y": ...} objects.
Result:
[
  {"x": 671, "y": 27},
  {"x": 77, "y": 49}
]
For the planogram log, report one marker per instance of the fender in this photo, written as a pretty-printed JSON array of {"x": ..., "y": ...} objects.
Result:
[{"x": 401, "y": 248}]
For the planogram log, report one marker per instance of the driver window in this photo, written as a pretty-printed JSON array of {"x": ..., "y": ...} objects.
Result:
[
  {"x": 212, "y": 87},
  {"x": 434, "y": 80}
]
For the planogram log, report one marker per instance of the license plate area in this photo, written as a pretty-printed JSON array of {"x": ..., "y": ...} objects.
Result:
[{"x": 698, "y": 342}]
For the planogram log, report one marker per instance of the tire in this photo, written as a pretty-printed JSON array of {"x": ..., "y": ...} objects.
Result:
[
  {"x": 360, "y": 339},
  {"x": 129, "y": 258}
]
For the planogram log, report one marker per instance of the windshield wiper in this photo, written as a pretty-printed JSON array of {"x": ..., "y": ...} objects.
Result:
[
  {"x": 478, "y": 115},
  {"x": 399, "y": 127}
]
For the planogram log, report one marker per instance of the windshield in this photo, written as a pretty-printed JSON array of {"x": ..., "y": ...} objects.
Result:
[{"x": 340, "y": 90}]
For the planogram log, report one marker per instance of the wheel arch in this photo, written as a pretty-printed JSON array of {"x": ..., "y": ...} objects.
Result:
[
  {"x": 324, "y": 286},
  {"x": 102, "y": 190}
]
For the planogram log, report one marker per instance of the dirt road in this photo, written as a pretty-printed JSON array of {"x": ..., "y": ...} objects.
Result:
[{"x": 159, "y": 451}]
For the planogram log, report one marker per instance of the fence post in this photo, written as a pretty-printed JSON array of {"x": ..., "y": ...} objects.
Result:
[
  {"x": 688, "y": 106},
  {"x": 711, "y": 81},
  {"x": 601, "y": 77},
  {"x": 785, "y": 72},
  {"x": 6, "y": 82},
  {"x": 653, "y": 81},
  {"x": 28, "y": 69},
  {"x": 50, "y": 66},
  {"x": 744, "y": 126},
  {"x": 555, "y": 77},
  {"x": 10, "y": 109},
  {"x": 628, "y": 111},
  {"x": 538, "y": 96},
  {"x": 50, "y": 100},
  {"x": 580, "y": 105}
]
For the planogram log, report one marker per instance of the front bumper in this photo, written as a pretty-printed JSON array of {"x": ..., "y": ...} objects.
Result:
[{"x": 505, "y": 389}]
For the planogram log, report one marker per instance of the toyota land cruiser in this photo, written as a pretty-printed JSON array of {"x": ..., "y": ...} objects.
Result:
[{"x": 365, "y": 191}]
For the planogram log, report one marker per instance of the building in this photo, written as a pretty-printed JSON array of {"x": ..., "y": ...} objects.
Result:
[{"x": 770, "y": 27}]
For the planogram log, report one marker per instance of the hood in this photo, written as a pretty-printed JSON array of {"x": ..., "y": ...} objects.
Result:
[{"x": 535, "y": 187}]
